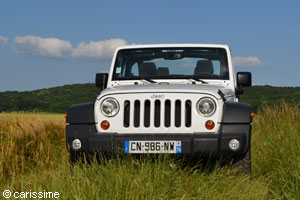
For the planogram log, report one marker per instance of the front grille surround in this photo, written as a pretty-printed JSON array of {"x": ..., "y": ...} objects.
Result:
[{"x": 173, "y": 113}]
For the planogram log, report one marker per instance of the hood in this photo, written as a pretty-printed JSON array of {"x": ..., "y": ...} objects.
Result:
[{"x": 170, "y": 88}]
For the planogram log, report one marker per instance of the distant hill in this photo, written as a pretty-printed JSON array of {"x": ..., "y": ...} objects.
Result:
[
  {"x": 58, "y": 99},
  {"x": 259, "y": 96}
]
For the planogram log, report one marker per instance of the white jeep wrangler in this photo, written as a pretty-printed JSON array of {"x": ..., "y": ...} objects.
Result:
[{"x": 172, "y": 99}]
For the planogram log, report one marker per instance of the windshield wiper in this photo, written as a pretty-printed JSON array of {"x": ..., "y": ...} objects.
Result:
[
  {"x": 199, "y": 80},
  {"x": 191, "y": 77},
  {"x": 148, "y": 79},
  {"x": 138, "y": 78}
]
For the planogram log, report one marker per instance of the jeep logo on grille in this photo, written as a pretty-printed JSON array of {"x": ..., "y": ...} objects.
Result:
[{"x": 157, "y": 96}]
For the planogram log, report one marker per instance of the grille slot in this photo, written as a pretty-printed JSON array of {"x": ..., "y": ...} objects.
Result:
[
  {"x": 137, "y": 108},
  {"x": 126, "y": 113},
  {"x": 157, "y": 113},
  {"x": 177, "y": 113},
  {"x": 188, "y": 113},
  {"x": 167, "y": 113},
  {"x": 147, "y": 113}
]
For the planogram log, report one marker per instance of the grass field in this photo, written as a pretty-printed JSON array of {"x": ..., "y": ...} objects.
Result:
[
  {"x": 34, "y": 116},
  {"x": 34, "y": 158}
]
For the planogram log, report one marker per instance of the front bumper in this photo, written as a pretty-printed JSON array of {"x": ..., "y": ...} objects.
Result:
[{"x": 199, "y": 144}]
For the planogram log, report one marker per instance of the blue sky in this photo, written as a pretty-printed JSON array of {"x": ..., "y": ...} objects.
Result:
[{"x": 52, "y": 43}]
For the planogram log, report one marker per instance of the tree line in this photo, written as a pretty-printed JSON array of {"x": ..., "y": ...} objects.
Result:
[{"x": 58, "y": 99}]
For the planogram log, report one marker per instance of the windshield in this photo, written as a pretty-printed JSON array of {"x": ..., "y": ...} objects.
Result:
[{"x": 171, "y": 63}]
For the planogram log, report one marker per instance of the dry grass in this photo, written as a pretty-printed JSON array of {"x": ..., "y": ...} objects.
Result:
[
  {"x": 34, "y": 116},
  {"x": 33, "y": 157},
  {"x": 28, "y": 143}
]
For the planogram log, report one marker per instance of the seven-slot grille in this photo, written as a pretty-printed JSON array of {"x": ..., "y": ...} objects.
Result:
[{"x": 157, "y": 113}]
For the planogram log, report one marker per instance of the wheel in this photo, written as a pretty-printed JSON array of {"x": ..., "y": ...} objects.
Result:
[{"x": 243, "y": 163}]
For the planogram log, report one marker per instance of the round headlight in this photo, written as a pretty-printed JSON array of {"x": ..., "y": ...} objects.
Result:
[
  {"x": 206, "y": 106},
  {"x": 110, "y": 107}
]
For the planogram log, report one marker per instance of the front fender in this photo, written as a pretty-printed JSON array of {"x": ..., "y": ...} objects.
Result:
[
  {"x": 81, "y": 123},
  {"x": 236, "y": 120},
  {"x": 81, "y": 114},
  {"x": 237, "y": 113}
]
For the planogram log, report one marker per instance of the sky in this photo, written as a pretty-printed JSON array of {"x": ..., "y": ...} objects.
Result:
[{"x": 52, "y": 43}]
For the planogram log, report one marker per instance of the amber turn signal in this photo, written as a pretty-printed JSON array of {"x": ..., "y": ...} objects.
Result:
[
  {"x": 66, "y": 115},
  {"x": 209, "y": 124},
  {"x": 105, "y": 125},
  {"x": 252, "y": 114}
]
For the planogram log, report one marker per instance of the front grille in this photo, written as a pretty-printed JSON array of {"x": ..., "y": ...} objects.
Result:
[{"x": 158, "y": 113}]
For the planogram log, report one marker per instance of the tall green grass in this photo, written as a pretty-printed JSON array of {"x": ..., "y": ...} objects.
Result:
[
  {"x": 33, "y": 157},
  {"x": 276, "y": 149}
]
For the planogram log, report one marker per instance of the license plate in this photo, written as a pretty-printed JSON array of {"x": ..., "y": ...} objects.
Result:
[{"x": 140, "y": 146}]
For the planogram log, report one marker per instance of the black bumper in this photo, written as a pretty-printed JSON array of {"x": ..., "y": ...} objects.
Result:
[{"x": 200, "y": 144}]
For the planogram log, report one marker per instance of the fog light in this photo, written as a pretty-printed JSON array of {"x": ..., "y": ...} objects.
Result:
[
  {"x": 76, "y": 144},
  {"x": 234, "y": 144},
  {"x": 105, "y": 125}
]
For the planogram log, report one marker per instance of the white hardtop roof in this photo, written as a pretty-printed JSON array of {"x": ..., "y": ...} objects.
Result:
[{"x": 172, "y": 45}]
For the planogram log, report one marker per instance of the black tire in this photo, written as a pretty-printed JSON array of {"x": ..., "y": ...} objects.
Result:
[{"x": 243, "y": 163}]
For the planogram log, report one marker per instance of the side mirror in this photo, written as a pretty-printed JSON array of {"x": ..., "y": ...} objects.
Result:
[
  {"x": 244, "y": 79},
  {"x": 101, "y": 80}
]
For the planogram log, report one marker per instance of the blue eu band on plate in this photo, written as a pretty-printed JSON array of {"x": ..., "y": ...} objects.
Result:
[{"x": 131, "y": 146}]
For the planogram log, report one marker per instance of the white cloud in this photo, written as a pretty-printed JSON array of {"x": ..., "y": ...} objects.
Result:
[
  {"x": 100, "y": 49},
  {"x": 57, "y": 48},
  {"x": 3, "y": 40},
  {"x": 37, "y": 46},
  {"x": 247, "y": 61}
]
